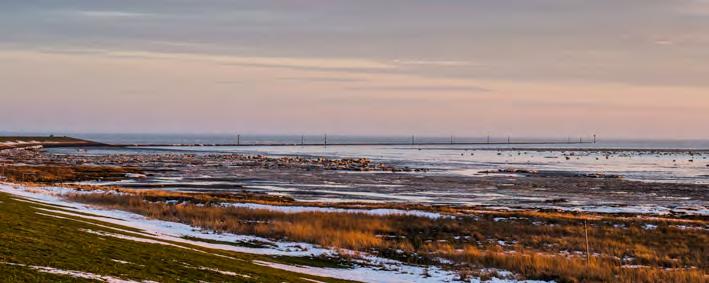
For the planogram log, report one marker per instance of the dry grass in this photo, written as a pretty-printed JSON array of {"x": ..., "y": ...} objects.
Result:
[
  {"x": 327, "y": 229},
  {"x": 537, "y": 245},
  {"x": 572, "y": 269},
  {"x": 206, "y": 198},
  {"x": 62, "y": 173}
]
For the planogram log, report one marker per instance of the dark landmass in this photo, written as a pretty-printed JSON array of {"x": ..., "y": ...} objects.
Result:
[{"x": 9, "y": 142}]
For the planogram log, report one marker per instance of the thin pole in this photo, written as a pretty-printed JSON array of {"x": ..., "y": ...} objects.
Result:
[
  {"x": 594, "y": 138},
  {"x": 451, "y": 139},
  {"x": 238, "y": 139},
  {"x": 302, "y": 140},
  {"x": 588, "y": 247},
  {"x": 413, "y": 140},
  {"x": 508, "y": 139},
  {"x": 325, "y": 139},
  {"x": 488, "y": 139}
]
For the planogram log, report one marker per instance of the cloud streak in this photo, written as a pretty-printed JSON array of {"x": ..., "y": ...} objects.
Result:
[
  {"x": 420, "y": 88},
  {"x": 112, "y": 14},
  {"x": 323, "y": 79}
]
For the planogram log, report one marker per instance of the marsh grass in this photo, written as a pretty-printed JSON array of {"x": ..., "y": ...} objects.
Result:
[{"x": 537, "y": 245}]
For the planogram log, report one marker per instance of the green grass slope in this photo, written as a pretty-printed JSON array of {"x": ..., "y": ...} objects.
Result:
[{"x": 32, "y": 240}]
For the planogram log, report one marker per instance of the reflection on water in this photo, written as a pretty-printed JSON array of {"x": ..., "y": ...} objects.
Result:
[{"x": 669, "y": 166}]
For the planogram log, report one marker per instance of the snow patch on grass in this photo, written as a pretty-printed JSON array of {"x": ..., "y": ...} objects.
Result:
[
  {"x": 75, "y": 274},
  {"x": 227, "y": 273},
  {"x": 395, "y": 273}
]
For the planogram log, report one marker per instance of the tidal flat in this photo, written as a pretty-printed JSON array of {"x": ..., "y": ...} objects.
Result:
[{"x": 346, "y": 218}]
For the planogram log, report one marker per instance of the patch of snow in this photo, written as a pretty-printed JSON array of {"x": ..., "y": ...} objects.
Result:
[
  {"x": 368, "y": 274},
  {"x": 121, "y": 261},
  {"x": 685, "y": 227},
  {"x": 227, "y": 273},
  {"x": 640, "y": 209},
  {"x": 52, "y": 215},
  {"x": 649, "y": 227},
  {"x": 75, "y": 274},
  {"x": 131, "y": 238},
  {"x": 311, "y": 280},
  {"x": 301, "y": 209},
  {"x": 386, "y": 273}
]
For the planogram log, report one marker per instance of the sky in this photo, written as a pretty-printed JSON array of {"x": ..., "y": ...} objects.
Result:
[{"x": 533, "y": 68}]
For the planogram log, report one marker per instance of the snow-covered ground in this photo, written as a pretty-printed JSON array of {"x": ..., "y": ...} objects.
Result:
[{"x": 367, "y": 269}]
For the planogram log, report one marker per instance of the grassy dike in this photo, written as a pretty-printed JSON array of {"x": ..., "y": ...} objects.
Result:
[{"x": 35, "y": 244}]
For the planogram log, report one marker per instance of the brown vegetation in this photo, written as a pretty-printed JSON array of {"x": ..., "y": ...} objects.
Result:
[
  {"x": 193, "y": 197},
  {"x": 62, "y": 173},
  {"x": 536, "y": 245}
]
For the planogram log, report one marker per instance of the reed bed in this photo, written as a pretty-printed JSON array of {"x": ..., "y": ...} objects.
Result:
[{"x": 535, "y": 245}]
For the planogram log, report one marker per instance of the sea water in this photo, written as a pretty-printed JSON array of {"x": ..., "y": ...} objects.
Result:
[{"x": 681, "y": 161}]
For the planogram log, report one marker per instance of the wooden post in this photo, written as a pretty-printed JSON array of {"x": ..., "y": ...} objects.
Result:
[{"x": 588, "y": 247}]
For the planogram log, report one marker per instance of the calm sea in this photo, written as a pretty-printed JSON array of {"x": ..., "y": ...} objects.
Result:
[
  {"x": 168, "y": 139},
  {"x": 688, "y": 165}
]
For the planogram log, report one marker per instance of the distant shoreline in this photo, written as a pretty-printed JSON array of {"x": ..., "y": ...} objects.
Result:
[
  {"x": 607, "y": 149},
  {"x": 8, "y": 142},
  {"x": 11, "y": 142},
  {"x": 536, "y": 149}
]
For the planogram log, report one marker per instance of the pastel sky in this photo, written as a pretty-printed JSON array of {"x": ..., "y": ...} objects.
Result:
[{"x": 618, "y": 68}]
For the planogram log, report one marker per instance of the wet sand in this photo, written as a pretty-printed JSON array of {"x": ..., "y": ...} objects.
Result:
[{"x": 361, "y": 180}]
